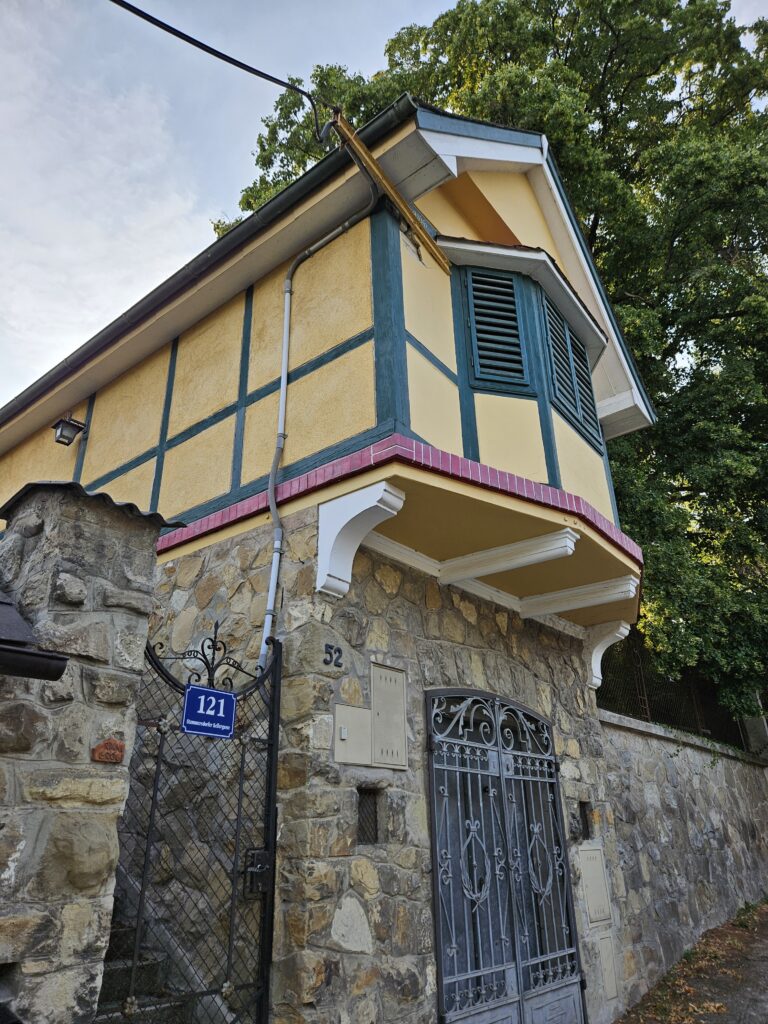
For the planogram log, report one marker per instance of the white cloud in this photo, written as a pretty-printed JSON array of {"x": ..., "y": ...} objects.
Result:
[{"x": 95, "y": 208}]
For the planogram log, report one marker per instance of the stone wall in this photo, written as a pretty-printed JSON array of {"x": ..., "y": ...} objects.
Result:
[
  {"x": 691, "y": 825},
  {"x": 354, "y": 926},
  {"x": 80, "y": 570},
  {"x": 354, "y": 939}
]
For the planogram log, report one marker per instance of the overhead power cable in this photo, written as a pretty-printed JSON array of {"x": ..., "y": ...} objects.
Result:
[{"x": 165, "y": 27}]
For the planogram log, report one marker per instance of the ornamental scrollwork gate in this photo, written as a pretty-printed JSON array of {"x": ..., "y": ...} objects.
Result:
[
  {"x": 506, "y": 939},
  {"x": 191, "y": 939}
]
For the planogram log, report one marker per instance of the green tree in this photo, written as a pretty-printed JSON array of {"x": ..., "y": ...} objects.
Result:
[{"x": 656, "y": 112}]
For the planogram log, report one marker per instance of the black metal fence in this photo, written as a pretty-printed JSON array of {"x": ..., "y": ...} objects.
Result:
[{"x": 631, "y": 686}]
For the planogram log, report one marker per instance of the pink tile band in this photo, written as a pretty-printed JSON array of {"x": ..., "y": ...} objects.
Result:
[{"x": 397, "y": 448}]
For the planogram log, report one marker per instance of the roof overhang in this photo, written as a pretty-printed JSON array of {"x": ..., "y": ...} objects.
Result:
[{"x": 419, "y": 148}]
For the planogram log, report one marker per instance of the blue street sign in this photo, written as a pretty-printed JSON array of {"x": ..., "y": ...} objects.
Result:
[{"x": 209, "y": 712}]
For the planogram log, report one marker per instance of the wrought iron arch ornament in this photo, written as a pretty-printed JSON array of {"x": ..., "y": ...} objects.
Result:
[
  {"x": 504, "y": 915},
  {"x": 209, "y": 659}
]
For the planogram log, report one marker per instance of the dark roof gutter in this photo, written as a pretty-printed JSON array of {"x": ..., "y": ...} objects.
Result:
[{"x": 31, "y": 662}]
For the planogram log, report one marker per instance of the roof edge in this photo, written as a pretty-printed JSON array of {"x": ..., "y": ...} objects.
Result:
[{"x": 396, "y": 114}]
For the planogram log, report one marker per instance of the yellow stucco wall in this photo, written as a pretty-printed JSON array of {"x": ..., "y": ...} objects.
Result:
[
  {"x": 207, "y": 366},
  {"x": 126, "y": 416},
  {"x": 135, "y": 486},
  {"x": 197, "y": 470},
  {"x": 582, "y": 470},
  {"x": 331, "y": 302},
  {"x": 509, "y": 435},
  {"x": 39, "y": 458},
  {"x": 513, "y": 198},
  {"x": 335, "y": 402},
  {"x": 442, "y": 211},
  {"x": 427, "y": 305},
  {"x": 434, "y": 400}
]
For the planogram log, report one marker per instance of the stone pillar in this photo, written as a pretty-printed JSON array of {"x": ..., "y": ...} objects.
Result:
[{"x": 80, "y": 569}]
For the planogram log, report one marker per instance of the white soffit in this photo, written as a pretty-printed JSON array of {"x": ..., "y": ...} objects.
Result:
[
  {"x": 460, "y": 153},
  {"x": 540, "y": 266}
]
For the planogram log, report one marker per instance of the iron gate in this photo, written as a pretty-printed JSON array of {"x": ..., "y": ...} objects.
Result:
[
  {"x": 191, "y": 939},
  {"x": 507, "y": 947}
]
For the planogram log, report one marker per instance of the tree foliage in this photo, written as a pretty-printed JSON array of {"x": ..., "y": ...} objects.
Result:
[{"x": 656, "y": 113}]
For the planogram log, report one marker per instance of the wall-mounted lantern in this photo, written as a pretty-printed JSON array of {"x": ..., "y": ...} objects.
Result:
[{"x": 66, "y": 429}]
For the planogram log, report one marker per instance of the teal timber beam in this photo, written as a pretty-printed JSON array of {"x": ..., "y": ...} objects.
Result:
[{"x": 389, "y": 322}]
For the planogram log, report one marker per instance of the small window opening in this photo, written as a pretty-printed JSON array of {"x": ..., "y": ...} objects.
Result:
[
  {"x": 585, "y": 819},
  {"x": 367, "y": 816}
]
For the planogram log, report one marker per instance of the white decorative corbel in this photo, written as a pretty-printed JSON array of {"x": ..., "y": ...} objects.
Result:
[
  {"x": 343, "y": 524},
  {"x": 599, "y": 639}
]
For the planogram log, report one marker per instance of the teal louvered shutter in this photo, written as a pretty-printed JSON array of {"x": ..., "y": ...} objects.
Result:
[
  {"x": 571, "y": 375},
  {"x": 562, "y": 371},
  {"x": 497, "y": 351},
  {"x": 587, "y": 407}
]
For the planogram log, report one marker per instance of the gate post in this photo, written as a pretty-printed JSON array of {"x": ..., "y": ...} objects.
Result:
[{"x": 80, "y": 569}]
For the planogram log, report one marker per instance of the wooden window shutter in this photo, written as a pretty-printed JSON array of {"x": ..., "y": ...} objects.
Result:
[
  {"x": 497, "y": 348},
  {"x": 562, "y": 370},
  {"x": 587, "y": 407}
]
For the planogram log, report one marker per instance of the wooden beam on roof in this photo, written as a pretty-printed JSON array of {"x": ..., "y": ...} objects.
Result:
[
  {"x": 624, "y": 588},
  {"x": 545, "y": 548},
  {"x": 421, "y": 236}
]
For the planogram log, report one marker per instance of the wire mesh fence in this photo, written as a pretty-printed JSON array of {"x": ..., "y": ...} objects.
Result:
[
  {"x": 632, "y": 686},
  {"x": 191, "y": 929}
]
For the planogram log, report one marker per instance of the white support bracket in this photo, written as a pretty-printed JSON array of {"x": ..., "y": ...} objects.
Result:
[
  {"x": 343, "y": 523},
  {"x": 559, "y": 544},
  {"x": 599, "y": 639},
  {"x": 624, "y": 588}
]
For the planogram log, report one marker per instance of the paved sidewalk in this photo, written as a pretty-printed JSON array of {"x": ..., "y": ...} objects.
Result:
[{"x": 722, "y": 980}]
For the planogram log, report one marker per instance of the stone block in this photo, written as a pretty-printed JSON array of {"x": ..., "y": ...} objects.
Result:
[
  {"x": 67, "y": 996},
  {"x": 188, "y": 569},
  {"x": 128, "y": 646},
  {"x": 127, "y": 600},
  {"x": 77, "y": 638},
  {"x": 64, "y": 690},
  {"x": 350, "y": 929},
  {"x": 71, "y": 734},
  {"x": 27, "y": 930},
  {"x": 70, "y": 589},
  {"x": 183, "y": 629},
  {"x": 292, "y": 769},
  {"x": 364, "y": 877},
  {"x": 110, "y": 686},
  {"x": 301, "y": 695},
  {"x": 403, "y": 981},
  {"x": 389, "y": 577},
  {"x": 66, "y": 787},
  {"x": 23, "y": 727},
  {"x": 79, "y": 856}
]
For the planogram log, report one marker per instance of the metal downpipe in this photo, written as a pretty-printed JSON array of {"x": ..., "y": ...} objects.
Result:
[{"x": 278, "y": 533}]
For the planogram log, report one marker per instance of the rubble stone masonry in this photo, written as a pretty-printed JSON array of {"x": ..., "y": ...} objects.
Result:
[
  {"x": 354, "y": 937},
  {"x": 80, "y": 570}
]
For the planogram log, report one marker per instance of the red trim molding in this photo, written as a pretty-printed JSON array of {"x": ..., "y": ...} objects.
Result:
[{"x": 397, "y": 448}]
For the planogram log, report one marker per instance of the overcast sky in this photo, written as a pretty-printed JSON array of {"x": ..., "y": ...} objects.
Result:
[{"x": 121, "y": 144}]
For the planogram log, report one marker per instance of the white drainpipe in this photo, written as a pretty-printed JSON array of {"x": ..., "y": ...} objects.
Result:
[{"x": 278, "y": 534}]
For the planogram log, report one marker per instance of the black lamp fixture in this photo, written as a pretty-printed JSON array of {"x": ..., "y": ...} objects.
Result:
[{"x": 66, "y": 429}]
